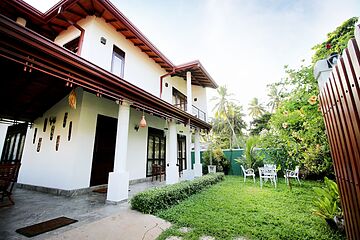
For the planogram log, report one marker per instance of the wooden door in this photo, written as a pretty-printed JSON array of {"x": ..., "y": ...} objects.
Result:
[{"x": 104, "y": 150}]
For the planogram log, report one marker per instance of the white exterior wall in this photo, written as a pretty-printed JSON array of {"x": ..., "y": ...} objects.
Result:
[
  {"x": 139, "y": 69},
  {"x": 200, "y": 93},
  {"x": 50, "y": 168},
  {"x": 70, "y": 167}
]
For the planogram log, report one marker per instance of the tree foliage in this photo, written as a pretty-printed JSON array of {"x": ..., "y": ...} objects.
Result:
[
  {"x": 255, "y": 108},
  {"x": 259, "y": 124},
  {"x": 228, "y": 123},
  {"x": 336, "y": 40},
  {"x": 296, "y": 128}
]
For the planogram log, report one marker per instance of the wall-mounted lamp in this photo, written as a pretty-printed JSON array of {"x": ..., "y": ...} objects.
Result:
[
  {"x": 136, "y": 127},
  {"x": 142, "y": 123}
]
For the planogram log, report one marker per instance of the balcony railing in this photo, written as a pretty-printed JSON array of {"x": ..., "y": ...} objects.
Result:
[
  {"x": 195, "y": 111},
  {"x": 198, "y": 113}
]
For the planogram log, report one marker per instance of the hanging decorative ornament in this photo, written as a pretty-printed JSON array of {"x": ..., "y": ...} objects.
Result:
[
  {"x": 142, "y": 123},
  {"x": 72, "y": 99}
]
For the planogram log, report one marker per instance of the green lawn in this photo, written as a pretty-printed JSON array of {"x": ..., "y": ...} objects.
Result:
[{"x": 232, "y": 209}]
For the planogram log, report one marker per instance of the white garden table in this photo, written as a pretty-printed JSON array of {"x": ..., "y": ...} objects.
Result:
[{"x": 267, "y": 173}]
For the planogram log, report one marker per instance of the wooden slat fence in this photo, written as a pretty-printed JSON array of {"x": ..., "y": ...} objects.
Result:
[{"x": 340, "y": 105}]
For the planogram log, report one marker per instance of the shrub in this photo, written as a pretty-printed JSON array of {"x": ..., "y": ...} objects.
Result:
[
  {"x": 327, "y": 204},
  {"x": 218, "y": 159},
  {"x": 155, "y": 199}
]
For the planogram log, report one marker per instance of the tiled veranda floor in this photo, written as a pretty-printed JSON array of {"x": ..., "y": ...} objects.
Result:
[{"x": 33, "y": 207}]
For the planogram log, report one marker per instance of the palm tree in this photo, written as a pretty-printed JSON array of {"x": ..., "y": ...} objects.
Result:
[
  {"x": 222, "y": 101},
  {"x": 275, "y": 97},
  {"x": 222, "y": 108},
  {"x": 256, "y": 109}
]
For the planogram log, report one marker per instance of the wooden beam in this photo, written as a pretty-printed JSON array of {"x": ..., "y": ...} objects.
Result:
[
  {"x": 62, "y": 18},
  {"x": 159, "y": 61},
  {"x": 122, "y": 30},
  {"x": 92, "y": 5},
  {"x": 131, "y": 37},
  {"x": 146, "y": 50},
  {"x": 75, "y": 13},
  {"x": 83, "y": 8},
  {"x": 154, "y": 57},
  {"x": 52, "y": 30},
  {"x": 138, "y": 44},
  {"x": 100, "y": 14},
  {"x": 57, "y": 25},
  {"x": 111, "y": 20}
]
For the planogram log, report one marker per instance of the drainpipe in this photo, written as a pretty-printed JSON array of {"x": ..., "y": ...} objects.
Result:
[
  {"x": 161, "y": 80},
  {"x": 82, "y": 31}
]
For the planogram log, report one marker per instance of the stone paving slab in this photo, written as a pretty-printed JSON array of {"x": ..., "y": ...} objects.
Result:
[
  {"x": 127, "y": 225},
  {"x": 34, "y": 207}
]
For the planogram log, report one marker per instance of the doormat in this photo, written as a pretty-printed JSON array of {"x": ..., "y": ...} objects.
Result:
[
  {"x": 100, "y": 190},
  {"x": 46, "y": 226}
]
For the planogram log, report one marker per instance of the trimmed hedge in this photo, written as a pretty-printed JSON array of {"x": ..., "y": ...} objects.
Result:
[{"x": 155, "y": 199}]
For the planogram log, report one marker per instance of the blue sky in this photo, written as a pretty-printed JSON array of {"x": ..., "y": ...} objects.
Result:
[{"x": 243, "y": 44}]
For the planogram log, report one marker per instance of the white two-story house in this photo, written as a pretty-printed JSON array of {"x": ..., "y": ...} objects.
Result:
[{"x": 98, "y": 102}]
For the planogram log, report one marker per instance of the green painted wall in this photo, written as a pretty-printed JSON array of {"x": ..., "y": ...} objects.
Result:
[{"x": 231, "y": 155}]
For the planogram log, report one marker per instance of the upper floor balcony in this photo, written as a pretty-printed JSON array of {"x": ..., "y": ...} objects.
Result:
[{"x": 195, "y": 110}]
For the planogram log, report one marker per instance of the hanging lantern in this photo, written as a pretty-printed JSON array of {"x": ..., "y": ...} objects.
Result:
[
  {"x": 72, "y": 99},
  {"x": 142, "y": 123}
]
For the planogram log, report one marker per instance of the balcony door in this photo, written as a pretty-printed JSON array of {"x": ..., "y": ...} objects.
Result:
[{"x": 179, "y": 99}]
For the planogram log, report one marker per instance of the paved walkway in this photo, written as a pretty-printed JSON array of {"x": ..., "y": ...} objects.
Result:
[
  {"x": 93, "y": 214},
  {"x": 126, "y": 224}
]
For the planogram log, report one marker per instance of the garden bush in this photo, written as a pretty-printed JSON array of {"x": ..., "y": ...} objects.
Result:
[
  {"x": 218, "y": 159},
  {"x": 155, "y": 199}
]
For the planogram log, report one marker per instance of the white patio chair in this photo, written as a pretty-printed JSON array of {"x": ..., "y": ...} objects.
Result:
[
  {"x": 267, "y": 174},
  {"x": 292, "y": 174},
  {"x": 271, "y": 167},
  {"x": 248, "y": 173}
]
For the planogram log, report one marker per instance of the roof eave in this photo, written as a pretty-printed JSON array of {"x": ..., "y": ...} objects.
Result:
[{"x": 197, "y": 64}]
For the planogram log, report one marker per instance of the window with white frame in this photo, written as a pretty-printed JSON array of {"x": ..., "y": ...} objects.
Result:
[{"x": 118, "y": 62}]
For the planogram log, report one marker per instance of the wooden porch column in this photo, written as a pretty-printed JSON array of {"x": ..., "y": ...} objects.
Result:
[
  {"x": 172, "y": 170},
  {"x": 197, "y": 165},
  {"x": 188, "y": 92},
  {"x": 118, "y": 185}
]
